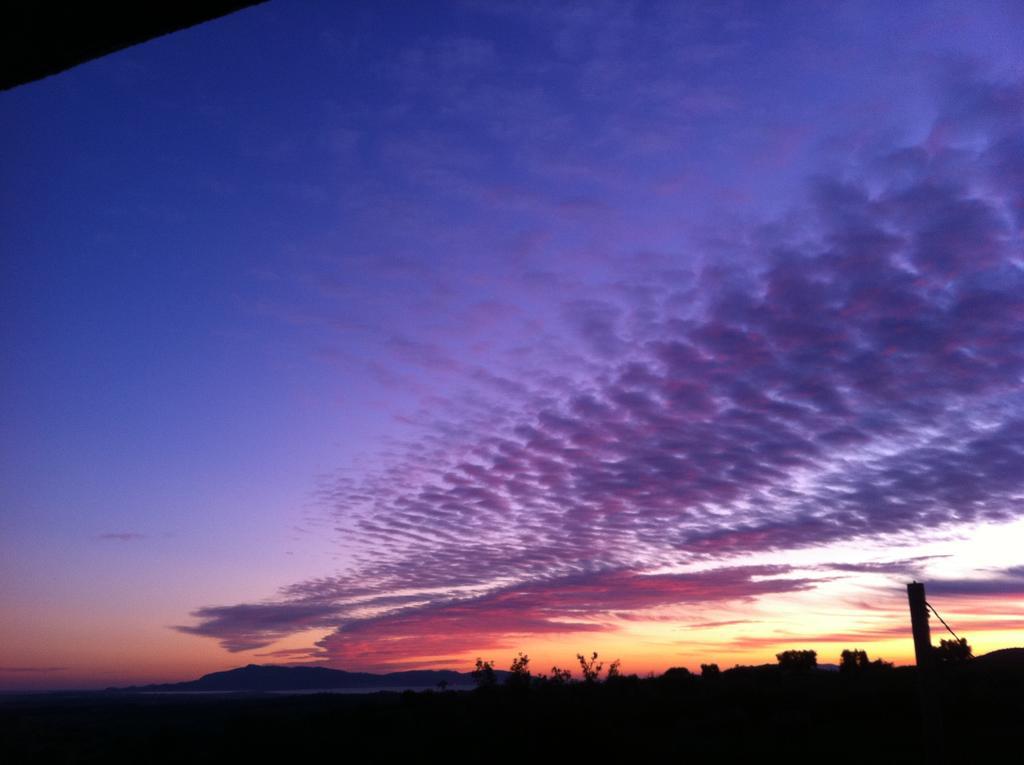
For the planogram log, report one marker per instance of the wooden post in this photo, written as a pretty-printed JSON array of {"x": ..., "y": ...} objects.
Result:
[
  {"x": 919, "y": 625},
  {"x": 931, "y": 712}
]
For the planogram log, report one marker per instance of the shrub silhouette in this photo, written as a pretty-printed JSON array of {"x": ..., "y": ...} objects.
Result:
[
  {"x": 710, "y": 671},
  {"x": 952, "y": 651},
  {"x": 560, "y": 676},
  {"x": 856, "y": 660},
  {"x": 676, "y": 674},
  {"x": 519, "y": 672},
  {"x": 797, "y": 661},
  {"x": 483, "y": 675},
  {"x": 591, "y": 669},
  {"x": 614, "y": 672}
]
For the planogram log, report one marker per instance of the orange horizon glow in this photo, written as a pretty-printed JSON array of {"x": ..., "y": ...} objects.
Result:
[
  {"x": 644, "y": 645},
  {"x": 477, "y": 329}
]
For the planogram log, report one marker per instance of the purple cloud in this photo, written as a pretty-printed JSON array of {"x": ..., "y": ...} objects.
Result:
[
  {"x": 253, "y": 625},
  {"x": 441, "y": 627},
  {"x": 1008, "y": 583},
  {"x": 849, "y": 370}
]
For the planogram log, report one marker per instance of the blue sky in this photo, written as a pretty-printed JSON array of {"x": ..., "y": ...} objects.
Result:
[{"x": 706, "y": 286}]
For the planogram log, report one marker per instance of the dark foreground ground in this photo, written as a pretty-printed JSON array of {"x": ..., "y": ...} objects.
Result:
[{"x": 741, "y": 715}]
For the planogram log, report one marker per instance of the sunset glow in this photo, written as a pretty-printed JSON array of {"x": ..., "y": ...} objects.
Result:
[{"x": 389, "y": 336}]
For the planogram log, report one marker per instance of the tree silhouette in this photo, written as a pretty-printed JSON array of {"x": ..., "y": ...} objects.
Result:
[
  {"x": 854, "y": 660},
  {"x": 591, "y": 668},
  {"x": 710, "y": 671},
  {"x": 519, "y": 676},
  {"x": 483, "y": 675},
  {"x": 797, "y": 661}
]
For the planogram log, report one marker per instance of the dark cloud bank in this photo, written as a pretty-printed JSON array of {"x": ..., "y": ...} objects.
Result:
[{"x": 855, "y": 372}]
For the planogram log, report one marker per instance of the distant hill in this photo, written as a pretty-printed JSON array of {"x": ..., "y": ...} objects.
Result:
[
  {"x": 1004, "y": 658},
  {"x": 268, "y": 677}
]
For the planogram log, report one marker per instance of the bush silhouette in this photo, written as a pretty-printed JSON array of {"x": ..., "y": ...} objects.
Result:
[
  {"x": 852, "y": 661},
  {"x": 519, "y": 672},
  {"x": 483, "y": 675},
  {"x": 797, "y": 661},
  {"x": 710, "y": 671},
  {"x": 676, "y": 677},
  {"x": 952, "y": 651},
  {"x": 614, "y": 672},
  {"x": 591, "y": 669},
  {"x": 560, "y": 676}
]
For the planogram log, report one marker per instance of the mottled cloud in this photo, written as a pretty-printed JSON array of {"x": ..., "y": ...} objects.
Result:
[{"x": 848, "y": 370}]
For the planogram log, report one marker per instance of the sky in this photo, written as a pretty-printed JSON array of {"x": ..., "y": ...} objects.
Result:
[{"x": 391, "y": 335}]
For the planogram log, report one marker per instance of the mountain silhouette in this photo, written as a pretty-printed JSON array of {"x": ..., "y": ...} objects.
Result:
[
  {"x": 1004, "y": 658},
  {"x": 269, "y": 677}
]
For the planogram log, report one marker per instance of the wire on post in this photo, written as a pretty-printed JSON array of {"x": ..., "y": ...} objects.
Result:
[{"x": 950, "y": 629}]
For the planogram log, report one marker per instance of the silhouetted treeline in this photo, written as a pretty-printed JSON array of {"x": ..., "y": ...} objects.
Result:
[{"x": 867, "y": 712}]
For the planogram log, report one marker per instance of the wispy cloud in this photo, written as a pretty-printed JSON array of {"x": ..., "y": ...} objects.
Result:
[
  {"x": 440, "y": 626},
  {"x": 1008, "y": 583}
]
